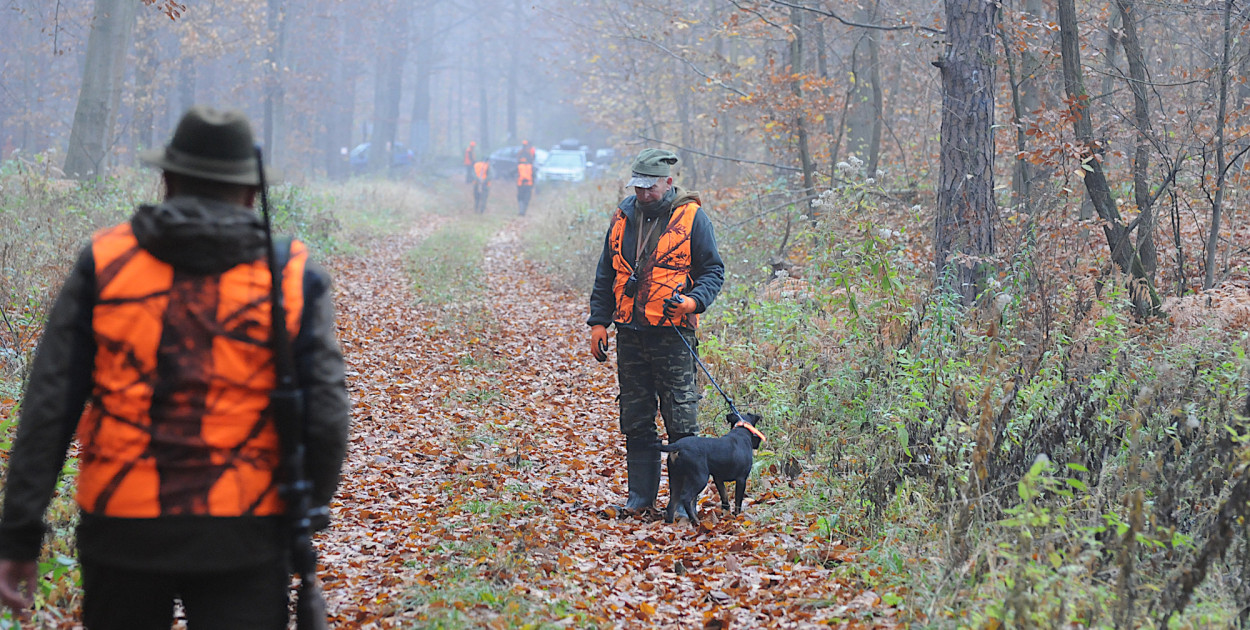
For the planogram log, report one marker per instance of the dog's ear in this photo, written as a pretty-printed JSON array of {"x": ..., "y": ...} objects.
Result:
[
  {"x": 732, "y": 419},
  {"x": 754, "y": 419}
]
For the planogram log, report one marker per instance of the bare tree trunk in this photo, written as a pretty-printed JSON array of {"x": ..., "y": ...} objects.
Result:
[
  {"x": 1109, "y": 54},
  {"x": 455, "y": 104},
  {"x": 690, "y": 171},
  {"x": 483, "y": 103},
  {"x": 1221, "y": 163},
  {"x": 118, "y": 82},
  {"x": 148, "y": 62},
  {"x": 800, "y": 123},
  {"x": 107, "y": 44},
  {"x": 965, "y": 225},
  {"x": 419, "y": 135},
  {"x": 1145, "y": 300},
  {"x": 1141, "y": 155},
  {"x": 338, "y": 114},
  {"x": 389, "y": 87},
  {"x": 877, "y": 96},
  {"x": 1020, "y": 179},
  {"x": 514, "y": 65},
  {"x": 832, "y": 130},
  {"x": 274, "y": 59},
  {"x": 1027, "y": 91},
  {"x": 865, "y": 98}
]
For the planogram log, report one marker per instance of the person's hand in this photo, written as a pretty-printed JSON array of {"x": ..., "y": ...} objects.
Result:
[
  {"x": 17, "y": 585},
  {"x": 599, "y": 343},
  {"x": 679, "y": 306}
]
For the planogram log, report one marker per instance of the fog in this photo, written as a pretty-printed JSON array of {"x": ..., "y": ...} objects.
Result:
[{"x": 318, "y": 79}]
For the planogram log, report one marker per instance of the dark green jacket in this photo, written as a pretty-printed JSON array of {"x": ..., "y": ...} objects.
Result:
[{"x": 200, "y": 236}]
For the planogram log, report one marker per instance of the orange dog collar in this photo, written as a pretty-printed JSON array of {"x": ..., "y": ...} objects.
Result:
[{"x": 750, "y": 427}]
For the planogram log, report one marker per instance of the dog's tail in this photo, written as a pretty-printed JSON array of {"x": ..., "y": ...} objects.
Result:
[{"x": 669, "y": 448}]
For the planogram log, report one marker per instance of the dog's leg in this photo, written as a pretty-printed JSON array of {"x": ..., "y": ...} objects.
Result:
[
  {"x": 724, "y": 496},
  {"x": 740, "y": 493},
  {"x": 674, "y": 495},
  {"x": 692, "y": 508}
]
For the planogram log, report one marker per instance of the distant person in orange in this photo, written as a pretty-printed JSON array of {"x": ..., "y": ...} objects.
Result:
[
  {"x": 524, "y": 185},
  {"x": 526, "y": 153},
  {"x": 468, "y": 162},
  {"x": 481, "y": 185}
]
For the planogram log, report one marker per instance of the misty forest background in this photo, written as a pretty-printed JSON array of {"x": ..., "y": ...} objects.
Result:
[{"x": 987, "y": 262}]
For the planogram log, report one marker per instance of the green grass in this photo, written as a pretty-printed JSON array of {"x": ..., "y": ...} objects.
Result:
[
  {"x": 446, "y": 267},
  {"x": 460, "y": 595},
  {"x": 565, "y": 233},
  {"x": 444, "y": 606}
]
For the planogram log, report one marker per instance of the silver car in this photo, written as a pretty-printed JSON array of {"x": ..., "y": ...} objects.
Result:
[{"x": 564, "y": 166}]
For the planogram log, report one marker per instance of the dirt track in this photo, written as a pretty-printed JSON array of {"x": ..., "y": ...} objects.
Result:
[{"x": 482, "y": 454}]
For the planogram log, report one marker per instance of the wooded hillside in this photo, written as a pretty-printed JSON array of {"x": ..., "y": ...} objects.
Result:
[{"x": 987, "y": 271}]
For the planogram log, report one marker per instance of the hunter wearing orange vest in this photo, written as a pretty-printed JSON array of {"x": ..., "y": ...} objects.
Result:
[
  {"x": 481, "y": 185},
  {"x": 157, "y": 356},
  {"x": 658, "y": 270},
  {"x": 468, "y": 162},
  {"x": 526, "y": 153},
  {"x": 524, "y": 185}
]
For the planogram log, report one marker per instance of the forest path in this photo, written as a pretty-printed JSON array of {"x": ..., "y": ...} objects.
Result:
[{"x": 484, "y": 447}]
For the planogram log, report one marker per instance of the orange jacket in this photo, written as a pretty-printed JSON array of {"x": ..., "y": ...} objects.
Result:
[
  {"x": 179, "y": 421},
  {"x": 468, "y": 156},
  {"x": 524, "y": 174},
  {"x": 659, "y": 272},
  {"x": 482, "y": 171}
]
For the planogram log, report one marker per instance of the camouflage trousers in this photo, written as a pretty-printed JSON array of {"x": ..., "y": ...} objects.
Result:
[{"x": 654, "y": 368}]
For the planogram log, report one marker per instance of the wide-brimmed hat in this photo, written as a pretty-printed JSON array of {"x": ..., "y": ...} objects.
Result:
[
  {"x": 650, "y": 166},
  {"x": 210, "y": 144}
]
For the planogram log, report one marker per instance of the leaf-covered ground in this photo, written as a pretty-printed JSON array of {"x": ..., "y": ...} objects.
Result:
[{"x": 484, "y": 449}]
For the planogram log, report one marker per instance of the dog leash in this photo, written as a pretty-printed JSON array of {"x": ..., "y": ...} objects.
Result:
[{"x": 677, "y": 299}]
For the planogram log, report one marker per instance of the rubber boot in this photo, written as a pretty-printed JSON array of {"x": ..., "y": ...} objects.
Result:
[
  {"x": 642, "y": 463},
  {"x": 681, "y": 509}
]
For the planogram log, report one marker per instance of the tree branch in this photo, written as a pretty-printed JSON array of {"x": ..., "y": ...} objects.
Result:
[
  {"x": 722, "y": 157},
  {"x": 876, "y": 27},
  {"x": 781, "y": 206},
  {"x": 757, "y": 14},
  {"x": 697, "y": 70}
]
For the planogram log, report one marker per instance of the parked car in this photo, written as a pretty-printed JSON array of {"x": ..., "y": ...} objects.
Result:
[
  {"x": 401, "y": 157},
  {"x": 503, "y": 162},
  {"x": 564, "y": 166},
  {"x": 605, "y": 160}
]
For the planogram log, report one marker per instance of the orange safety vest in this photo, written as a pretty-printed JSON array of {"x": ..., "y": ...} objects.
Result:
[
  {"x": 524, "y": 174},
  {"x": 179, "y": 420},
  {"x": 482, "y": 170},
  {"x": 468, "y": 156},
  {"x": 659, "y": 273}
]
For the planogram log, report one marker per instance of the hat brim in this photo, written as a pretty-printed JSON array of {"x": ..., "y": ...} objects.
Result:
[
  {"x": 642, "y": 181},
  {"x": 227, "y": 172}
]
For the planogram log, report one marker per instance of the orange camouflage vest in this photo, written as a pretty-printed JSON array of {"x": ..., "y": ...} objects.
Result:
[
  {"x": 524, "y": 174},
  {"x": 659, "y": 273},
  {"x": 178, "y": 422}
]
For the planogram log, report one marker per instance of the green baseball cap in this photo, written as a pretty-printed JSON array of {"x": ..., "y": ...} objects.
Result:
[{"x": 650, "y": 166}]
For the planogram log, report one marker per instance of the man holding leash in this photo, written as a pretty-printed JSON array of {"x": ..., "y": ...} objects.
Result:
[
  {"x": 158, "y": 355},
  {"x": 658, "y": 270}
]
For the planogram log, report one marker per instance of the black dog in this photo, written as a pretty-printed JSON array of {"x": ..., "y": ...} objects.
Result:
[{"x": 726, "y": 458}]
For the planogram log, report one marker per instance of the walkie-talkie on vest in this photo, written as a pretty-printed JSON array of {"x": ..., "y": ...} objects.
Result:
[{"x": 287, "y": 405}]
